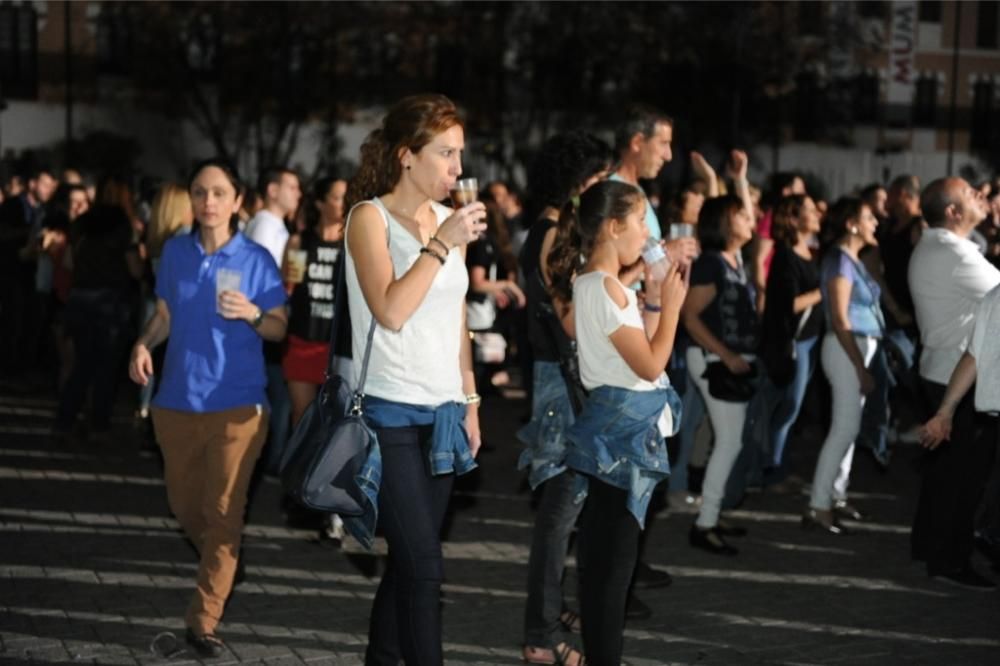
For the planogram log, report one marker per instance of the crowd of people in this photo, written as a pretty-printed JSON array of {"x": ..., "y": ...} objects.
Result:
[{"x": 663, "y": 373}]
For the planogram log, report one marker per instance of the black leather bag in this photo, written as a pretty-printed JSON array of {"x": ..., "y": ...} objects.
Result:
[
  {"x": 327, "y": 451},
  {"x": 331, "y": 441},
  {"x": 723, "y": 384}
]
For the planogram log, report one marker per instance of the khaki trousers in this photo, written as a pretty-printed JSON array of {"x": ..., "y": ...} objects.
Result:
[{"x": 208, "y": 460}]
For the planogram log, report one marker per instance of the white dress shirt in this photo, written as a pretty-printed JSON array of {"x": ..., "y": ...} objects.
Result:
[
  {"x": 985, "y": 348},
  {"x": 269, "y": 230},
  {"x": 948, "y": 278}
]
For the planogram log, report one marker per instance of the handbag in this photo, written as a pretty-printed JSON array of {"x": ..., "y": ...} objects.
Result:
[
  {"x": 489, "y": 347},
  {"x": 724, "y": 384},
  {"x": 331, "y": 441}
]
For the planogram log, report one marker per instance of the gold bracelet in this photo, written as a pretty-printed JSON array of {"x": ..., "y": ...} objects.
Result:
[{"x": 473, "y": 399}]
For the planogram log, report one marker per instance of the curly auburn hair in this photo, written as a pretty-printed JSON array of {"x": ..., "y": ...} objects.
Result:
[{"x": 412, "y": 123}]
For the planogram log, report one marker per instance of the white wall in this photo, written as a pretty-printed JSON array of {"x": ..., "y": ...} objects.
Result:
[{"x": 845, "y": 169}]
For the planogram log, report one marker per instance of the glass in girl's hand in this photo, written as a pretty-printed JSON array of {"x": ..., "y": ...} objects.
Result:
[
  {"x": 656, "y": 259},
  {"x": 464, "y": 192},
  {"x": 296, "y": 263},
  {"x": 226, "y": 279}
]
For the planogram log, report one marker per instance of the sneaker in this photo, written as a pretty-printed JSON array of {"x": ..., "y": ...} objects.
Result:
[{"x": 966, "y": 577}]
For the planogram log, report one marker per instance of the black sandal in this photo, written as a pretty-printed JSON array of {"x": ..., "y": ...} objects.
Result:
[
  {"x": 564, "y": 651},
  {"x": 562, "y": 654},
  {"x": 570, "y": 620}
]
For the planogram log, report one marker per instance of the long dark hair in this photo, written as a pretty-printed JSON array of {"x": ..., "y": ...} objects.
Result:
[
  {"x": 232, "y": 175},
  {"x": 609, "y": 199},
  {"x": 412, "y": 123},
  {"x": 563, "y": 164},
  {"x": 838, "y": 217},
  {"x": 787, "y": 216}
]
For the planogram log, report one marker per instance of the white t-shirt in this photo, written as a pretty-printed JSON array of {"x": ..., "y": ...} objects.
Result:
[
  {"x": 597, "y": 317},
  {"x": 948, "y": 278},
  {"x": 269, "y": 230},
  {"x": 984, "y": 345},
  {"x": 419, "y": 364}
]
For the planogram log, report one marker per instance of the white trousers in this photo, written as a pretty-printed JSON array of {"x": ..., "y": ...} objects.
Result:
[
  {"x": 833, "y": 468},
  {"x": 727, "y": 423}
]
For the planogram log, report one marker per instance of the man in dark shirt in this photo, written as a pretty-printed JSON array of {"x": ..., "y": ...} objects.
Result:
[{"x": 20, "y": 223}]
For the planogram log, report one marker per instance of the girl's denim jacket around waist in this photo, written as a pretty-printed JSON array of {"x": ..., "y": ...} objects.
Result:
[
  {"x": 449, "y": 452},
  {"x": 616, "y": 440},
  {"x": 544, "y": 437}
]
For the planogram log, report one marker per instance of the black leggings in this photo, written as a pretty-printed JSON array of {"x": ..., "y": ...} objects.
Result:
[
  {"x": 406, "y": 616},
  {"x": 608, "y": 545}
]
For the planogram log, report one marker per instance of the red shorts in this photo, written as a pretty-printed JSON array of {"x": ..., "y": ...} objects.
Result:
[{"x": 305, "y": 361}]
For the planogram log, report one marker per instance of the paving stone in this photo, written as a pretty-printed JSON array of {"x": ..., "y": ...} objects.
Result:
[{"x": 93, "y": 568}]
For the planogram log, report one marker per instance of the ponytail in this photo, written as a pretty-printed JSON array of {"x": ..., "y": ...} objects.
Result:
[
  {"x": 579, "y": 224},
  {"x": 564, "y": 258}
]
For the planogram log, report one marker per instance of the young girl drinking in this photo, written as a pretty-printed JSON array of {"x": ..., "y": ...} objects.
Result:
[{"x": 616, "y": 445}]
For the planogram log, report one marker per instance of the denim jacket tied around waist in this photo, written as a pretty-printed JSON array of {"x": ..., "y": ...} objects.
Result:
[
  {"x": 617, "y": 440},
  {"x": 449, "y": 452},
  {"x": 544, "y": 437}
]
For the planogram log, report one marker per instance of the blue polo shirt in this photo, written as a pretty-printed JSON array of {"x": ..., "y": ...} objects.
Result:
[
  {"x": 652, "y": 221},
  {"x": 213, "y": 364}
]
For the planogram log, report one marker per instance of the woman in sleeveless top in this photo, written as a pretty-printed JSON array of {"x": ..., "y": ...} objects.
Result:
[{"x": 420, "y": 388}]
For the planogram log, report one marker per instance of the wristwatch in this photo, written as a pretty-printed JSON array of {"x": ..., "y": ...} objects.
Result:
[{"x": 258, "y": 318}]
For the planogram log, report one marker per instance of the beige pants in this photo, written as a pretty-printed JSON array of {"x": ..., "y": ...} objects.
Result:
[{"x": 208, "y": 460}]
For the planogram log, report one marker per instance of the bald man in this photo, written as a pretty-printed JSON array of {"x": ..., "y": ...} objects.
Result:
[{"x": 948, "y": 278}]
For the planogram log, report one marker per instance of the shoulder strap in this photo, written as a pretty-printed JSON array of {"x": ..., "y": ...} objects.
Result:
[{"x": 340, "y": 306}]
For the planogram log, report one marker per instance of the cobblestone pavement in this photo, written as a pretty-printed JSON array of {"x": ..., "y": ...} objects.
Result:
[{"x": 94, "y": 570}]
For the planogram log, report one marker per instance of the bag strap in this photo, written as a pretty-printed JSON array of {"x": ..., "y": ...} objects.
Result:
[
  {"x": 565, "y": 347},
  {"x": 802, "y": 321},
  {"x": 359, "y": 392}
]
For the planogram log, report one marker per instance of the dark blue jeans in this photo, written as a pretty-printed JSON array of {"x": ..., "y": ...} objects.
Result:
[
  {"x": 874, "y": 433},
  {"x": 406, "y": 616},
  {"x": 554, "y": 523},
  {"x": 96, "y": 320},
  {"x": 788, "y": 403}
]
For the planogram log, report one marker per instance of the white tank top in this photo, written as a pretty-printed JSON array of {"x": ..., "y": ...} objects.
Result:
[{"x": 419, "y": 364}]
